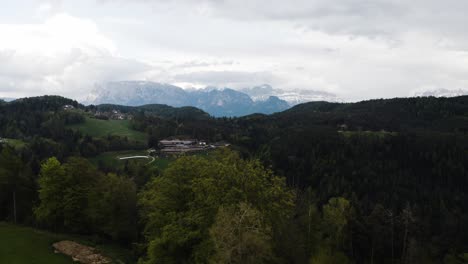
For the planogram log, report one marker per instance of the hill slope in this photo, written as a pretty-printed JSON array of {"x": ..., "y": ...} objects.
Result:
[
  {"x": 398, "y": 114},
  {"x": 102, "y": 128},
  {"x": 160, "y": 110}
]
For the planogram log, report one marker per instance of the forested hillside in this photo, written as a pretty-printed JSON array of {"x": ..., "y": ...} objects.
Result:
[{"x": 380, "y": 181}]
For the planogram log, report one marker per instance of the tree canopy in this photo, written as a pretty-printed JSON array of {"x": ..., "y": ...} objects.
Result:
[{"x": 181, "y": 206}]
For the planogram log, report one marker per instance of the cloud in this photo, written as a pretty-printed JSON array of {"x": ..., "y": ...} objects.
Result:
[
  {"x": 202, "y": 64},
  {"x": 63, "y": 55},
  {"x": 232, "y": 79},
  {"x": 357, "y": 49},
  {"x": 48, "y": 7},
  {"x": 371, "y": 18}
]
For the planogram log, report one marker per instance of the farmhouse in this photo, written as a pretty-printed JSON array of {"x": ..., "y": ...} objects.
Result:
[
  {"x": 114, "y": 115},
  {"x": 179, "y": 146},
  {"x": 177, "y": 142},
  {"x": 68, "y": 107}
]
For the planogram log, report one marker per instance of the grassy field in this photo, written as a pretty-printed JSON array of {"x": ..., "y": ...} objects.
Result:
[
  {"x": 162, "y": 163},
  {"x": 111, "y": 159},
  {"x": 102, "y": 128},
  {"x": 380, "y": 134},
  {"x": 16, "y": 143},
  {"x": 26, "y": 245}
]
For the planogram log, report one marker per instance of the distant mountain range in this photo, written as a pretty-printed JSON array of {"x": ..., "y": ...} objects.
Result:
[
  {"x": 293, "y": 97},
  {"x": 442, "y": 93},
  {"x": 6, "y": 99},
  {"x": 216, "y": 102}
]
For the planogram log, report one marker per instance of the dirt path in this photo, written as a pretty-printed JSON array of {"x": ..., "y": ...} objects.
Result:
[
  {"x": 80, "y": 253},
  {"x": 139, "y": 157}
]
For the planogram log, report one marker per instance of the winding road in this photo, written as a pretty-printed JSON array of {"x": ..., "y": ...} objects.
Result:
[{"x": 139, "y": 157}]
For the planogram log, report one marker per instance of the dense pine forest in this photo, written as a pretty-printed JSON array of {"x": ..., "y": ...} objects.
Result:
[{"x": 379, "y": 181}]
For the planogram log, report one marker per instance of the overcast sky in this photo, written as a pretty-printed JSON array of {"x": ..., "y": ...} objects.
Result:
[{"x": 357, "y": 49}]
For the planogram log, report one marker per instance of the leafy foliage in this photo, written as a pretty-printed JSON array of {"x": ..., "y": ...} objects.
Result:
[
  {"x": 76, "y": 197},
  {"x": 180, "y": 206},
  {"x": 379, "y": 181},
  {"x": 240, "y": 235}
]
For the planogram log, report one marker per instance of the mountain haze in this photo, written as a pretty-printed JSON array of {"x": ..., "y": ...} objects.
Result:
[
  {"x": 443, "y": 93},
  {"x": 293, "y": 97},
  {"x": 216, "y": 102},
  {"x": 135, "y": 93}
]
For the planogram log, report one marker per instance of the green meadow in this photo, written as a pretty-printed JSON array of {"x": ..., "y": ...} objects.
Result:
[
  {"x": 27, "y": 245},
  {"x": 102, "y": 128},
  {"x": 112, "y": 159}
]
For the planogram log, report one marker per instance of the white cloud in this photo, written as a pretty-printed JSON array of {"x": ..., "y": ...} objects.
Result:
[
  {"x": 357, "y": 49},
  {"x": 57, "y": 34},
  {"x": 232, "y": 79},
  {"x": 64, "y": 55},
  {"x": 48, "y": 8}
]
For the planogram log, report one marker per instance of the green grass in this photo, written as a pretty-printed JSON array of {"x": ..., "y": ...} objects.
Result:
[
  {"x": 102, "y": 128},
  {"x": 162, "y": 163},
  {"x": 111, "y": 159},
  {"x": 15, "y": 143},
  {"x": 26, "y": 245},
  {"x": 379, "y": 134}
]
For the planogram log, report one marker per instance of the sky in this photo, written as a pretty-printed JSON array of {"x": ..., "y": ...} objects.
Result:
[{"x": 356, "y": 49}]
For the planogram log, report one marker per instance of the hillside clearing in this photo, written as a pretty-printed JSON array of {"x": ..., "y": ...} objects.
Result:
[
  {"x": 15, "y": 143},
  {"x": 117, "y": 159},
  {"x": 27, "y": 245},
  {"x": 102, "y": 128}
]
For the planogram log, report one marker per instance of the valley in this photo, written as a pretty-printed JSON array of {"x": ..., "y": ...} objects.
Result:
[
  {"x": 234, "y": 132},
  {"x": 166, "y": 183}
]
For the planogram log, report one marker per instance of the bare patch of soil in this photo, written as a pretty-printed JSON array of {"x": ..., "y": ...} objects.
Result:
[{"x": 80, "y": 253}]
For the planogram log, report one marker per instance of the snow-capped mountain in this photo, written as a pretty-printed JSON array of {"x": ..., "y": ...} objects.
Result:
[
  {"x": 135, "y": 93},
  {"x": 225, "y": 102},
  {"x": 293, "y": 97},
  {"x": 217, "y": 102},
  {"x": 6, "y": 99},
  {"x": 443, "y": 93}
]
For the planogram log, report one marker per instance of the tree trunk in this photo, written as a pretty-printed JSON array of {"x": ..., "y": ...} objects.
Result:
[
  {"x": 405, "y": 238},
  {"x": 308, "y": 228},
  {"x": 390, "y": 215},
  {"x": 14, "y": 206},
  {"x": 392, "y": 243}
]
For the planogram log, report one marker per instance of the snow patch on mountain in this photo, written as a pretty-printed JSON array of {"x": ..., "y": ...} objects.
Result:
[
  {"x": 215, "y": 101},
  {"x": 7, "y": 99},
  {"x": 293, "y": 97},
  {"x": 442, "y": 93}
]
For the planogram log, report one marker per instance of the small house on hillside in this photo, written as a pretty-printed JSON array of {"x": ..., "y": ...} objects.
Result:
[
  {"x": 68, "y": 107},
  {"x": 179, "y": 146},
  {"x": 343, "y": 127},
  {"x": 114, "y": 115},
  {"x": 177, "y": 142}
]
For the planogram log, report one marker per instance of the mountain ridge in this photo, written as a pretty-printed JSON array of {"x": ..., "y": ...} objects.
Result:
[
  {"x": 217, "y": 102},
  {"x": 293, "y": 97}
]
